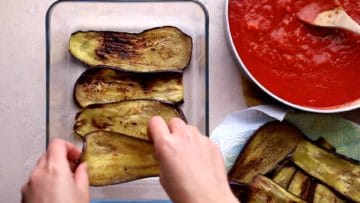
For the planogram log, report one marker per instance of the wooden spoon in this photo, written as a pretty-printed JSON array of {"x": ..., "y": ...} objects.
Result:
[{"x": 334, "y": 17}]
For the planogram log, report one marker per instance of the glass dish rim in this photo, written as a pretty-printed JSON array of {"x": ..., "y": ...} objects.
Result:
[{"x": 48, "y": 47}]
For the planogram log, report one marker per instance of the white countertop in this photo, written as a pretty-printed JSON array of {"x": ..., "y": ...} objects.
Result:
[{"x": 22, "y": 66}]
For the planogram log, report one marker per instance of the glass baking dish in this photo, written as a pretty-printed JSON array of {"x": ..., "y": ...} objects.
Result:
[{"x": 66, "y": 17}]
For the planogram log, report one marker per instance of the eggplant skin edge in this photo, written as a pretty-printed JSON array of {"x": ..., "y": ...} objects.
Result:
[
  {"x": 179, "y": 70},
  {"x": 83, "y": 78}
]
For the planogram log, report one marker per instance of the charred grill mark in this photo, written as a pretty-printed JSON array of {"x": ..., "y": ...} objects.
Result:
[
  {"x": 99, "y": 125},
  {"x": 122, "y": 89},
  {"x": 101, "y": 80},
  {"x": 117, "y": 38},
  {"x": 305, "y": 189},
  {"x": 101, "y": 53},
  {"x": 122, "y": 45}
]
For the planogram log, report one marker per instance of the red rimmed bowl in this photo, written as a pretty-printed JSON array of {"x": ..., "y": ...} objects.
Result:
[{"x": 308, "y": 68}]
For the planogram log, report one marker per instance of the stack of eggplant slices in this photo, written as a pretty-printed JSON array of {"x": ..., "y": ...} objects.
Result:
[
  {"x": 131, "y": 78},
  {"x": 280, "y": 164}
]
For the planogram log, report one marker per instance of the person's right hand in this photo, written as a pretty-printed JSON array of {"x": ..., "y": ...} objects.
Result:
[{"x": 191, "y": 167}]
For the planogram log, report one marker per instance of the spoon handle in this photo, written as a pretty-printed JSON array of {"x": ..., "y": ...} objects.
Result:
[
  {"x": 346, "y": 22},
  {"x": 337, "y": 18}
]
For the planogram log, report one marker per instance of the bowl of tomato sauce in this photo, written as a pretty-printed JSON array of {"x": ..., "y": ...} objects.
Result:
[{"x": 306, "y": 67}]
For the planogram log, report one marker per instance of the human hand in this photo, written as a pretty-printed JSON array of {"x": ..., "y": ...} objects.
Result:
[
  {"x": 56, "y": 179},
  {"x": 191, "y": 166}
]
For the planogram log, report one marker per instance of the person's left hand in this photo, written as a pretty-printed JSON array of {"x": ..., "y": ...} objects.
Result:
[{"x": 56, "y": 178}]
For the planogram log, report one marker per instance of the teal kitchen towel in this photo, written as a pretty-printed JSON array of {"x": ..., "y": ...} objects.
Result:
[{"x": 237, "y": 127}]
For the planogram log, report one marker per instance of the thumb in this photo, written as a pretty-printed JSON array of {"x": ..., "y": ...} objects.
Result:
[
  {"x": 157, "y": 128},
  {"x": 82, "y": 178}
]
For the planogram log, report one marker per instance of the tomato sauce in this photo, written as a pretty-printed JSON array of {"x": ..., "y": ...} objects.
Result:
[{"x": 300, "y": 63}]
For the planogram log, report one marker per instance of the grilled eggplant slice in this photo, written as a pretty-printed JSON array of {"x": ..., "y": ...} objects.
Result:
[
  {"x": 158, "y": 49},
  {"x": 323, "y": 143},
  {"x": 284, "y": 176},
  {"x": 334, "y": 170},
  {"x": 322, "y": 193},
  {"x": 266, "y": 148},
  {"x": 263, "y": 189},
  {"x": 115, "y": 158},
  {"x": 296, "y": 181},
  {"x": 325, "y": 195},
  {"x": 127, "y": 117},
  {"x": 300, "y": 185},
  {"x": 105, "y": 85}
]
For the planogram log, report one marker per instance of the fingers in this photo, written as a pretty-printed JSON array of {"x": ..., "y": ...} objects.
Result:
[
  {"x": 60, "y": 151},
  {"x": 73, "y": 153},
  {"x": 82, "y": 178},
  {"x": 42, "y": 160},
  {"x": 157, "y": 128},
  {"x": 194, "y": 130},
  {"x": 178, "y": 126},
  {"x": 73, "y": 166}
]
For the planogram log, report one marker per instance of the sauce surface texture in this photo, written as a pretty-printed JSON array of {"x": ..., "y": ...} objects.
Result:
[{"x": 305, "y": 65}]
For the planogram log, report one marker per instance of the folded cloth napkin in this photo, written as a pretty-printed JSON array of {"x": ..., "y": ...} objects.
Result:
[{"x": 232, "y": 133}]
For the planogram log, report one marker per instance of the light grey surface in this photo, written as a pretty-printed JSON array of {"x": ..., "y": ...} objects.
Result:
[{"x": 22, "y": 86}]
